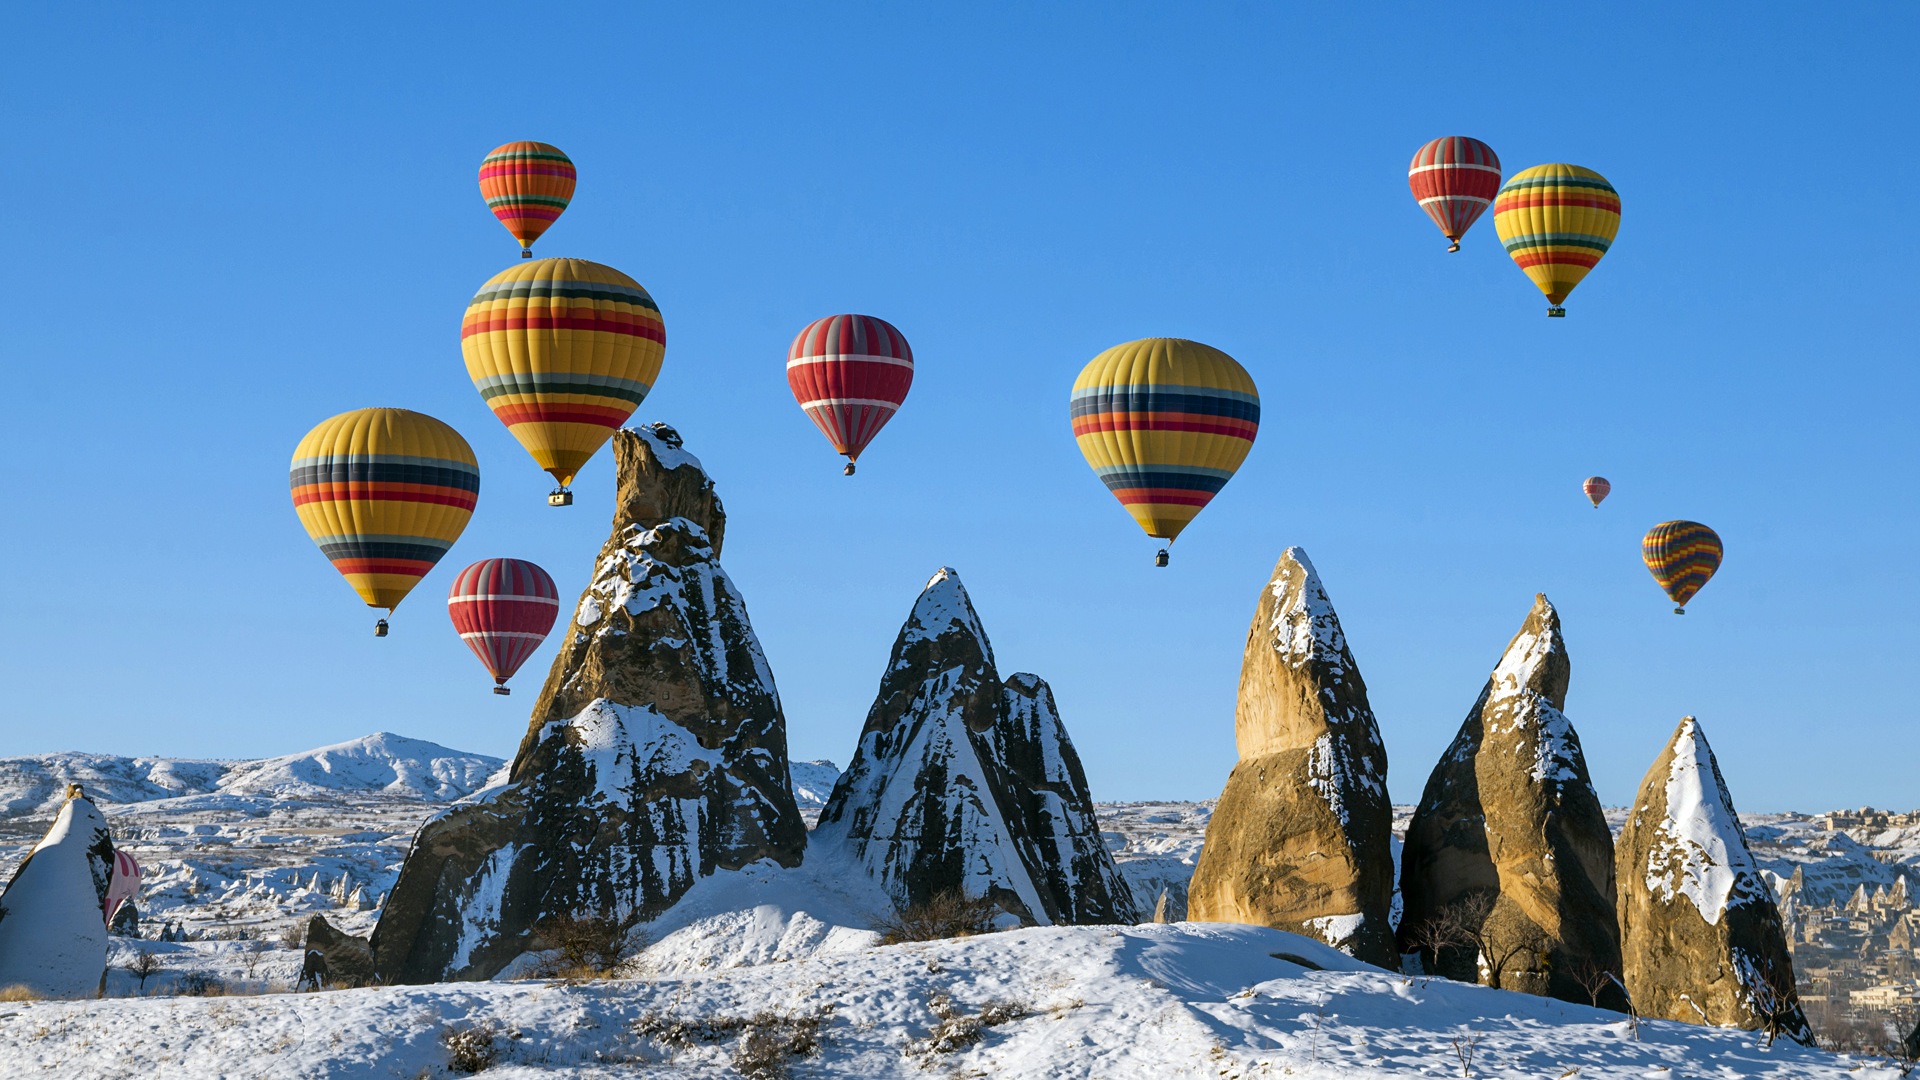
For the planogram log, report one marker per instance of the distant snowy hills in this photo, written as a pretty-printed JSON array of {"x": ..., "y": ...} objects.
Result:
[{"x": 382, "y": 763}]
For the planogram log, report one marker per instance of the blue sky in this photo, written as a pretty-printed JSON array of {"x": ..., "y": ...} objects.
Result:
[{"x": 227, "y": 226}]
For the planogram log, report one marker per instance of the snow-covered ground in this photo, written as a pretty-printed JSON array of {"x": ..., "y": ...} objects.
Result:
[{"x": 240, "y": 854}]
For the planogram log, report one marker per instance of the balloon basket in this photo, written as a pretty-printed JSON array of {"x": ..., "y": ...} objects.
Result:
[
  {"x": 526, "y": 253},
  {"x": 1556, "y": 313},
  {"x": 502, "y": 691},
  {"x": 1679, "y": 611},
  {"x": 1161, "y": 558},
  {"x": 848, "y": 471},
  {"x": 1454, "y": 248},
  {"x": 380, "y": 628},
  {"x": 560, "y": 497}
]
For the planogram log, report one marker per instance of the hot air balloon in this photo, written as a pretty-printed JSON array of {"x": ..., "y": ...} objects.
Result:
[
  {"x": 563, "y": 351},
  {"x": 122, "y": 886},
  {"x": 850, "y": 373},
  {"x": 1164, "y": 422},
  {"x": 384, "y": 493},
  {"x": 1455, "y": 178},
  {"x": 1596, "y": 488},
  {"x": 1682, "y": 556},
  {"x": 527, "y": 185},
  {"x": 503, "y": 609},
  {"x": 1556, "y": 221}
]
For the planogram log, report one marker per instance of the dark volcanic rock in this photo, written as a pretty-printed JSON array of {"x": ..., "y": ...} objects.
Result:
[
  {"x": 962, "y": 781},
  {"x": 1701, "y": 937},
  {"x": 1302, "y": 838},
  {"x": 334, "y": 958},
  {"x": 656, "y": 755},
  {"x": 1509, "y": 836}
]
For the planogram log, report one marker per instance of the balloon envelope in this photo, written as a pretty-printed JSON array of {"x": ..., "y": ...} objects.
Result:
[
  {"x": 1455, "y": 179},
  {"x": 563, "y": 351},
  {"x": 527, "y": 185},
  {"x": 1556, "y": 222},
  {"x": 850, "y": 373},
  {"x": 123, "y": 885},
  {"x": 1164, "y": 422},
  {"x": 384, "y": 493},
  {"x": 1596, "y": 488},
  {"x": 503, "y": 609},
  {"x": 1681, "y": 555}
]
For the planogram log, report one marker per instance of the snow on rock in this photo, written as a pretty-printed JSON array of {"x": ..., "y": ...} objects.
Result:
[
  {"x": 656, "y": 755},
  {"x": 1301, "y": 839},
  {"x": 1510, "y": 815},
  {"x": 1701, "y": 936},
  {"x": 53, "y": 932},
  {"x": 962, "y": 781},
  {"x": 813, "y": 782},
  {"x": 1182, "y": 1001}
]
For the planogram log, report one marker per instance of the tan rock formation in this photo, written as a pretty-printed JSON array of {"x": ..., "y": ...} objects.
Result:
[
  {"x": 1506, "y": 875},
  {"x": 1700, "y": 935},
  {"x": 1301, "y": 839}
]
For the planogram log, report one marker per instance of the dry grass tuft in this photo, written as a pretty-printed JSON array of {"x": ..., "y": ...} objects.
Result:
[{"x": 949, "y": 913}]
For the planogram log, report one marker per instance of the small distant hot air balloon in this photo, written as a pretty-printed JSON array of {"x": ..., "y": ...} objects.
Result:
[
  {"x": 1164, "y": 422},
  {"x": 1596, "y": 488},
  {"x": 384, "y": 493},
  {"x": 563, "y": 351},
  {"x": 527, "y": 185},
  {"x": 1556, "y": 222},
  {"x": 850, "y": 373},
  {"x": 1455, "y": 178},
  {"x": 122, "y": 886},
  {"x": 1682, "y": 556},
  {"x": 503, "y": 609}
]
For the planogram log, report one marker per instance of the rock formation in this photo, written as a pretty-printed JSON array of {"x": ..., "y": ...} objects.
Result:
[
  {"x": 1700, "y": 935},
  {"x": 53, "y": 926},
  {"x": 1507, "y": 871},
  {"x": 656, "y": 755},
  {"x": 962, "y": 781},
  {"x": 1302, "y": 838},
  {"x": 334, "y": 958}
]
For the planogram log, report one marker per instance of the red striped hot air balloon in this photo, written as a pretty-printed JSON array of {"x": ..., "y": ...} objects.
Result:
[
  {"x": 122, "y": 886},
  {"x": 503, "y": 609},
  {"x": 1455, "y": 179},
  {"x": 527, "y": 185},
  {"x": 1596, "y": 488},
  {"x": 850, "y": 373}
]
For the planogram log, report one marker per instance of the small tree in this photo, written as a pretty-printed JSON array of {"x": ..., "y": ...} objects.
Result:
[
  {"x": 585, "y": 946},
  {"x": 145, "y": 965},
  {"x": 1472, "y": 916}
]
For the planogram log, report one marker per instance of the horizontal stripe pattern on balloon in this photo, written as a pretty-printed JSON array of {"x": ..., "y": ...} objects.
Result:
[
  {"x": 1682, "y": 556},
  {"x": 1454, "y": 179},
  {"x": 563, "y": 351},
  {"x": 850, "y": 374},
  {"x": 503, "y": 609},
  {"x": 527, "y": 185},
  {"x": 383, "y": 493},
  {"x": 1164, "y": 423},
  {"x": 1556, "y": 221}
]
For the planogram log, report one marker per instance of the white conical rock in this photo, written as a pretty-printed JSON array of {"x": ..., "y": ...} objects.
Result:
[{"x": 53, "y": 937}]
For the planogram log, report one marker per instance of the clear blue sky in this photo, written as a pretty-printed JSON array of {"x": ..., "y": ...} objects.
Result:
[{"x": 227, "y": 226}]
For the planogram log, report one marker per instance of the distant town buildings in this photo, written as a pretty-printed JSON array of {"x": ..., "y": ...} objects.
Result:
[
  {"x": 1855, "y": 957},
  {"x": 1868, "y": 818}
]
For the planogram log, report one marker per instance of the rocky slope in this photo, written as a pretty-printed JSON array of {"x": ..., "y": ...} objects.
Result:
[
  {"x": 1701, "y": 936},
  {"x": 1302, "y": 838},
  {"x": 656, "y": 755},
  {"x": 964, "y": 782},
  {"x": 1509, "y": 846}
]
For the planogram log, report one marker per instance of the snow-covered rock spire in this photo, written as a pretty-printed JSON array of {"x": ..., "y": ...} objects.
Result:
[
  {"x": 1701, "y": 936},
  {"x": 53, "y": 932}
]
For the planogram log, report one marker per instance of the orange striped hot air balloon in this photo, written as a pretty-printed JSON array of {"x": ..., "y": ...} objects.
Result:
[
  {"x": 527, "y": 185},
  {"x": 1682, "y": 556}
]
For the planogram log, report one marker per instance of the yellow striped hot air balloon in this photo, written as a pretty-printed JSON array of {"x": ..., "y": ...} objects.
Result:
[
  {"x": 1164, "y": 422},
  {"x": 563, "y": 351},
  {"x": 1556, "y": 222},
  {"x": 384, "y": 493}
]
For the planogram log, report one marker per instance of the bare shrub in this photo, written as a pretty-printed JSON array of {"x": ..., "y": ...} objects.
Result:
[
  {"x": 584, "y": 946},
  {"x": 294, "y": 937},
  {"x": 200, "y": 984},
  {"x": 17, "y": 993},
  {"x": 145, "y": 965},
  {"x": 471, "y": 1048},
  {"x": 949, "y": 913},
  {"x": 768, "y": 1039},
  {"x": 251, "y": 953},
  {"x": 958, "y": 1030},
  {"x": 1464, "y": 1045}
]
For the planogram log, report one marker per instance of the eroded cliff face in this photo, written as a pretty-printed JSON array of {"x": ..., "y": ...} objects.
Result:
[
  {"x": 1509, "y": 839},
  {"x": 1700, "y": 935},
  {"x": 656, "y": 754},
  {"x": 964, "y": 782},
  {"x": 1302, "y": 837}
]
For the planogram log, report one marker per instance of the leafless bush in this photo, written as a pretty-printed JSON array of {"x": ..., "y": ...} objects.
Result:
[
  {"x": 1464, "y": 1045},
  {"x": 471, "y": 1048},
  {"x": 294, "y": 937},
  {"x": 145, "y": 965},
  {"x": 958, "y": 1030},
  {"x": 949, "y": 913},
  {"x": 200, "y": 984},
  {"x": 251, "y": 953},
  {"x": 1463, "y": 925},
  {"x": 17, "y": 993},
  {"x": 584, "y": 946},
  {"x": 768, "y": 1040}
]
